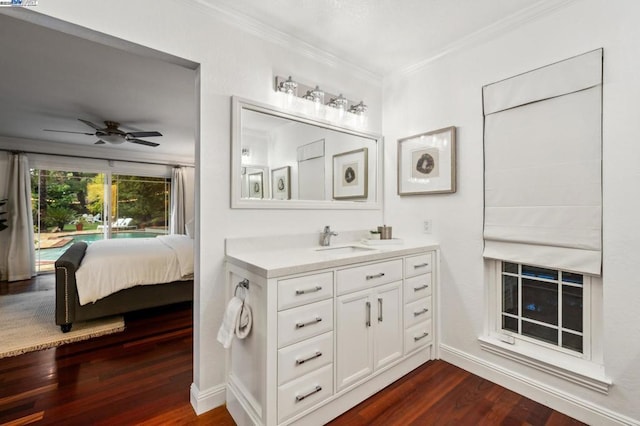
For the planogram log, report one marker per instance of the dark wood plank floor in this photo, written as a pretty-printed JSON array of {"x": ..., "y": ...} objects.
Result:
[{"x": 142, "y": 376}]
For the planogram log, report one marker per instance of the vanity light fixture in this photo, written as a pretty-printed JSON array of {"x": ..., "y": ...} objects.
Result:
[
  {"x": 358, "y": 109},
  {"x": 339, "y": 103},
  {"x": 288, "y": 86},
  {"x": 315, "y": 95}
]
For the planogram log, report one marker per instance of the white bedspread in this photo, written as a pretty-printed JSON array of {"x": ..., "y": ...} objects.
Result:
[{"x": 112, "y": 265}]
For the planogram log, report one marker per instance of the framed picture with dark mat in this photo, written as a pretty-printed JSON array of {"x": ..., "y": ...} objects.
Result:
[
  {"x": 350, "y": 171},
  {"x": 427, "y": 163},
  {"x": 281, "y": 183}
]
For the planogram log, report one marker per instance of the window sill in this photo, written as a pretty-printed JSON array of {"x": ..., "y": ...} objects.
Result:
[{"x": 584, "y": 373}]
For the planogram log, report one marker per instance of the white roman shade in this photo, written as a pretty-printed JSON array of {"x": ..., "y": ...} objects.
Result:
[{"x": 543, "y": 173}]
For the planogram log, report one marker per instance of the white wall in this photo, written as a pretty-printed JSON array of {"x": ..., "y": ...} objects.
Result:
[
  {"x": 232, "y": 63},
  {"x": 448, "y": 92}
]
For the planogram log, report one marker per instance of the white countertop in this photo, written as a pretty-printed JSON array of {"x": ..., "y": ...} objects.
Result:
[{"x": 278, "y": 256}]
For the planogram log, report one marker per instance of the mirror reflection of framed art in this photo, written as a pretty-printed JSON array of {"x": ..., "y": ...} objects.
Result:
[
  {"x": 350, "y": 175},
  {"x": 281, "y": 183},
  {"x": 427, "y": 163},
  {"x": 255, "y": 185}
]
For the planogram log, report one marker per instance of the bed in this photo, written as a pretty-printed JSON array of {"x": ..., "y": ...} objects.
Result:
[{"x": 111, "y": 277}]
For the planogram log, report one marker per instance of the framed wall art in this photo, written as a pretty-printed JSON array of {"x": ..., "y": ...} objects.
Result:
[
  {"x": 255, "y": 185},
  {"x": 350, "y": 170},
  {"x": 280, "y": 183},
  {"x": 427, "y": 163}
]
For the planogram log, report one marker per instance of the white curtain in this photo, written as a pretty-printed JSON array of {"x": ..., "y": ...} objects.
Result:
[
  {"x": 177, "y": 201},
  {"x": 21, "y": 256},
  {"x": 543, "y": 172}
]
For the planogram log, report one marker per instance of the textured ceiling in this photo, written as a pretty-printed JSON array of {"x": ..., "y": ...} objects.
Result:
[
  {"x": 380, "y": 36},
  {"x": 51, "y": 79}
]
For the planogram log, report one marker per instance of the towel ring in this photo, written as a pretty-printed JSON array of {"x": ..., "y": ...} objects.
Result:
[{"x": 244, "y": 285}]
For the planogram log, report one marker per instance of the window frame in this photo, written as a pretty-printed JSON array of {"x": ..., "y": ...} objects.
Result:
[
  {"x": 586, "y": 312},
  {"x": 585, "y": 369}
]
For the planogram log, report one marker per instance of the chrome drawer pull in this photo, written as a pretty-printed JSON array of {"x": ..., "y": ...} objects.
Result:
[
  {"x": 370, "y": 277},
  {"x": 368, "y": 321},
  {"x": 314, "y": 356},
  {"x": 304, "y": 324},
  {"x": 308, "y": 290},
  {"x": 317, "y": 389},
  {"x": 425, "y": 334},
  {"x": 423, "y": 311},
  {"x": 422, "y": 265},
  {"x": 421, "y": 287}
]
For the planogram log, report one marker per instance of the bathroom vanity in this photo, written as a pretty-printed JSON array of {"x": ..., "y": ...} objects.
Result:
[{"x": 331, "y": 325}]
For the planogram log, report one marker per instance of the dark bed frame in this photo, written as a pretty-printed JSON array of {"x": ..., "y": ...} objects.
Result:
[{"x": 69, "y": 310}]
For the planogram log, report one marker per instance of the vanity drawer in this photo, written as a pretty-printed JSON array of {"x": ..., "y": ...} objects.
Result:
[
  {"x": 305, "y": 321},
  {"x": 361, "y": 277},
  {"x": 301, "y": 290},
  {"x": 417, "y": 287},
  {"x": 304, "y": 357},
  {"x": 417, "y": 336},
  {"x": 417, "y": 265},
  {"x": 304, "y": 392},
  {"x": 417, "y": 311}
]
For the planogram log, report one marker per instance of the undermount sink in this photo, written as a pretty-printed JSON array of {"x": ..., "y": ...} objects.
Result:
[{"x": 343, "y": 249}]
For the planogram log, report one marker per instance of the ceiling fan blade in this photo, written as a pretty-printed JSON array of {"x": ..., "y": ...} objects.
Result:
[
  {"x": 90, "y": 124},
  {"x": 143, "y": 134},
  {"x": 99, "y": 142},
  {"x": 66, "y": 131},
  {"x": 141, "y": 142}
]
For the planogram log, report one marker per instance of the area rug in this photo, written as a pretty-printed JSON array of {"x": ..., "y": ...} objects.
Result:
[{"x": 27, "y": 323}]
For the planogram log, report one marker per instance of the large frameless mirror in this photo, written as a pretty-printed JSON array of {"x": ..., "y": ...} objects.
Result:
[{"x": 281, "y": 160}]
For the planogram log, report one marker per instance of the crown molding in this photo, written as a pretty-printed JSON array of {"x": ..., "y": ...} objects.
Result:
[
  {"x": 498, "y": 28},
  {"x": 273, "y": 35}
]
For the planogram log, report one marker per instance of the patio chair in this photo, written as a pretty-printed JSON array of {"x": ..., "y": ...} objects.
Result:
[{"x": 124, "y": 224}]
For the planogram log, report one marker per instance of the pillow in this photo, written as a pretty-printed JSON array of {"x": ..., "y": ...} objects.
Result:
[{"x": 189, "y": 228}]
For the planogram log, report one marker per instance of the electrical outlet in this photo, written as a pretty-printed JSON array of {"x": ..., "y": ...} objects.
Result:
[{"x": 426, "y": 226}]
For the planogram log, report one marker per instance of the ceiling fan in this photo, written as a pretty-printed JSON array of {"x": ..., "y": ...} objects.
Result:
[{"x": 113, "y": 135}]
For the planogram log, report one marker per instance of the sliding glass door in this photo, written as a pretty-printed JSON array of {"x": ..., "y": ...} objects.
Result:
[
  {"x": 140, "y": 202},
  {"x": 73, "y": 206}
]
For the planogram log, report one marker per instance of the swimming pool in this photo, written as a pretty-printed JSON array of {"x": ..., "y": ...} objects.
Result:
[{"x": 52, "y": 254}]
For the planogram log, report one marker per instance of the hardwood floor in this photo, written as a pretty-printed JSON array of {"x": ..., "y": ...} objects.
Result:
[{"x": 142, "y": 376}]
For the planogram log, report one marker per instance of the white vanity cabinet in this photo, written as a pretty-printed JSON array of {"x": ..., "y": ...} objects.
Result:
[
  {"x": 370, "y": 332},
  {"x": 418, "y": 308},
  {"x": 328, "y": 333}
]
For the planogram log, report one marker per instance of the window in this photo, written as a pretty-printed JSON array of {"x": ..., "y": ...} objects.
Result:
[
  {"x": 547, "y": 319},
  {"x": 70, "y": 206},
  {"x": 544, "y": 305}
]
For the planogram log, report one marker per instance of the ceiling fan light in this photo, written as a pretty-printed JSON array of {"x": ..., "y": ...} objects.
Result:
[{"x": 112, "y": 139}]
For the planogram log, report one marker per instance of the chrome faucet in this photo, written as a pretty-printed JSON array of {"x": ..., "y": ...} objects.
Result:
[{"x": 325, "y": 237}]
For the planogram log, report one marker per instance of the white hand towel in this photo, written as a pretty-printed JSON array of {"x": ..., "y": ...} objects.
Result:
[
  {"x": 231, "y": 318},
  {"x": 245, "y": 320}
]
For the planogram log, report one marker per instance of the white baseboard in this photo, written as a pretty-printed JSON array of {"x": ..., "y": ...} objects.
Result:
[
  {"x": 559, "y": 400},
  {"x": 203, "y": 401}
]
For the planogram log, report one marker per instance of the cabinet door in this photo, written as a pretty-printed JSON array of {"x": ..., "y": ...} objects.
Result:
[
  {"x": 388, "y": 324},
  {"x": 354, "y": 320}
]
